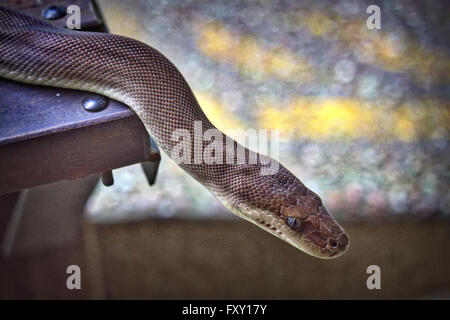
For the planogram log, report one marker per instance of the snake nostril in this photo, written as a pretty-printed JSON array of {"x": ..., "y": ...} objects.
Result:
[{"x": 333, "y": 244}]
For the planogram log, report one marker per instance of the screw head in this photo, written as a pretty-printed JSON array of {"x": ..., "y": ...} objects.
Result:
[
  {"x": 54, "y": 12},
  {"x": 95, "y": 103}
]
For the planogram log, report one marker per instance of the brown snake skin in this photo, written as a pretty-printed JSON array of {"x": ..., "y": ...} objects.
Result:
[{"x": 33, "y": 51}]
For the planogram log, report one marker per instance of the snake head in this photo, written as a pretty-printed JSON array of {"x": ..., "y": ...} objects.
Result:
[
  {"x": 283, "y": 206},
  {"x": 312, "y": 229}
]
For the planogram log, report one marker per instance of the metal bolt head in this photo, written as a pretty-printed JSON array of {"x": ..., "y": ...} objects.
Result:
[
  {"x": 54, "y": 12},
  {"x": 95, "y": 103}
]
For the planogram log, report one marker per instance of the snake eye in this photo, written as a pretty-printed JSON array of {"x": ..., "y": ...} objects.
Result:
[{"x": 293, "y": 222}]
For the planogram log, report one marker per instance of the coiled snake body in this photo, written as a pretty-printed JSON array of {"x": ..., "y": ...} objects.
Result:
[{"x": 33, "y": 51}]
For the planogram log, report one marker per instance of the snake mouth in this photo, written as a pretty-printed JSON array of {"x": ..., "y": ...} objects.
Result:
[{"x": 272, "y": 228}]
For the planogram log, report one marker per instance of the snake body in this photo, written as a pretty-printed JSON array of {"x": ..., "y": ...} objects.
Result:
[{"x": 129, "y": 71}]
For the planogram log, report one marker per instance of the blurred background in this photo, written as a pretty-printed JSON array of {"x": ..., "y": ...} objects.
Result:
[
  {"x": 363, "y": 114},
  {"x": 363, "y": 117}
]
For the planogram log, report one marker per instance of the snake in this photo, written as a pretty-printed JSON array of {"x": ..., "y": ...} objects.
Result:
[{"x": 33, "y": 51}]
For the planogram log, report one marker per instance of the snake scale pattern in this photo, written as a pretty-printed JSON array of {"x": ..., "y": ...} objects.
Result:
[{"x": 33, "y": 51}]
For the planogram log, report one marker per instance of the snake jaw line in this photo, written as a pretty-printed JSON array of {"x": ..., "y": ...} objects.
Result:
[{"x": 278, "y": 227}]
